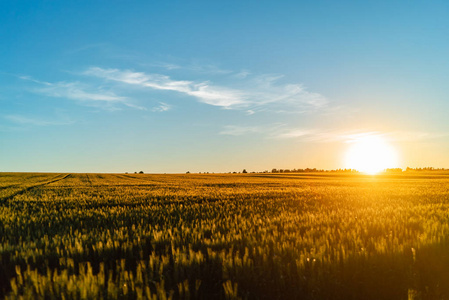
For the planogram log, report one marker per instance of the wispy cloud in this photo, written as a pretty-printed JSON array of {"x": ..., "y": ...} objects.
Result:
[
  {"x": 196, "y": 66},
  {"x": 276, "y": 130},
  {"x": 242, "y": 74},
  {"x": 411, "y": 136},
  {"x": 29, "y": 78},
  {"x": 76, "y": 91},
  {"x": 106, "y": 100},
  {"x": 350, "y": 136},
  {"x": 91, "y": 96},
  {"x": 24, "y": 120},
  {"x": 167, "y": 66},
  {"x": 269, "y": 130},
  {"x": 316, "y": 135},
  {"x": 207, "y": 69},
  {"x": 327, "y": 136},
  {"x": 203, "y": 91},
  {"x": 296, "y": 133},
  {"x": 238, "y": 90},
  {"x": 240, "y": 130},
  {"x": 162, "y": 107},
  {"x": 87, "y": 47},
  {"x": 258, "y": 93},
  {"x": 284, "y": 97}
]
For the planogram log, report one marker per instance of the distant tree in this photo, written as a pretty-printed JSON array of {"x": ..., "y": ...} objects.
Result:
[
  {"x": 188, "y": 172},
  {"x": 244, "y": 171},
  {"x": 394, "y": 170},
  {"x": 141, "y": 172}
]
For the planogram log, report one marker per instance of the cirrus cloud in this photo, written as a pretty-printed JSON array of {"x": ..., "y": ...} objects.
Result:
[{"x": 258, "y": 93}]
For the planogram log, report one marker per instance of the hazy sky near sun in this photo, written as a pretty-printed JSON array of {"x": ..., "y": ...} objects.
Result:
[{"x": 171, "y": 86}]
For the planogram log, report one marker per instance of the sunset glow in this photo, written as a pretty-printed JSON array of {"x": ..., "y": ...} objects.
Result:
[{"x": 371, "y": 154}]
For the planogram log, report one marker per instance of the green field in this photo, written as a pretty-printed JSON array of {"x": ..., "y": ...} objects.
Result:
[{"x": 223, "y": 236}]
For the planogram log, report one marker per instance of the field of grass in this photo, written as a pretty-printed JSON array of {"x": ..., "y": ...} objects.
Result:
[{"x": 223, "y": 236}]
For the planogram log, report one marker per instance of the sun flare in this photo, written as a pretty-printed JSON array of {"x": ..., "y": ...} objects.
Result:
[{"x": 371, "y": 154}]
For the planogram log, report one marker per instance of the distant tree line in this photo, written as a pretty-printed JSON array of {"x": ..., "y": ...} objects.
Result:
[
  {"x": 310, "y": 170},
  {"x": 306, "y": 170},
  {"x": 393, "y": 170},
  {"x": 426, "y": 169},
  {"x": 315, "y": 170}
]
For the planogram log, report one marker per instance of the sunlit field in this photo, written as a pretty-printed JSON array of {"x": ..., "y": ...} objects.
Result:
[{"x": 224, "y": 236}]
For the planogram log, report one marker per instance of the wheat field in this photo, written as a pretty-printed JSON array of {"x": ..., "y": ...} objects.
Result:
[{"x": 224, "y": 236}]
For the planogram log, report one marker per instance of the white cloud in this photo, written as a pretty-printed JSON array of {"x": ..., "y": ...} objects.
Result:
[
  {"x": 91, "y": 96},
  {"x": 75, "y": 91},
  {"x": 192, "y": 66},
  {"x": 284, "y": 98},
  {"x": 326, "y": 136},
  {"x": 240, "y": 130},
  {"x": 295, "y": 133},
  {"x": 242, "y": 91},
  {"x": 86, "y": 47},
  {"x": 242, "y": 74},
  {"x": 411, "y": 136},
  {"x": 350, "y": 136},
  {"x": 164, "y": 65},
  {"x": 257, "y": 94},
  {"x": 270, "y": 130},
  {"x": 203, "y": 91},
  {"x": 29, "y": 78},
  {"x": 134, "y": 106},
  {"x": 207, "y": 69},
  {"x": 162, "y": 107},
  {"x": 281, "y": 131},
  {"x": 23, "y": 120}
]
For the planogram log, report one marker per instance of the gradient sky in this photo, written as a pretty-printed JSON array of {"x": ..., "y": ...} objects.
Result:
[{"x": 172, "y": 86}]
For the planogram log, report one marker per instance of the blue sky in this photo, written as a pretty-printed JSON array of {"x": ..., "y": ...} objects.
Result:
[{"x": 171, "y": 86}]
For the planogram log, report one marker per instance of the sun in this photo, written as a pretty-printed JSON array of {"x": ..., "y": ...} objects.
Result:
[{"x": 371, "y": 154}]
